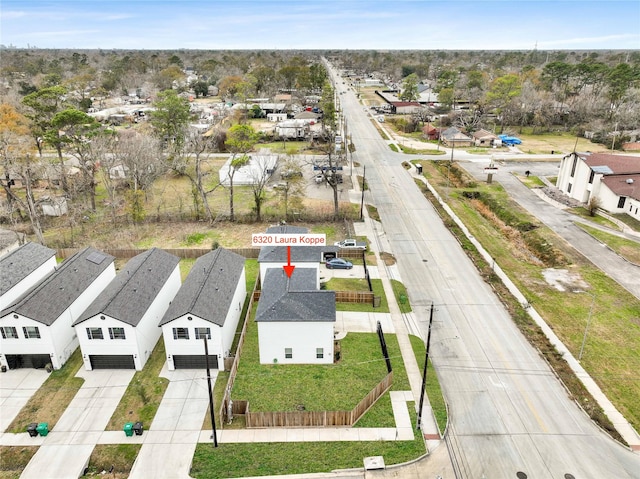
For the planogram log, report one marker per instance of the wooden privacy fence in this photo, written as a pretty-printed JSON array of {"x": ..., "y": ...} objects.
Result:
[
  {"x": 354, "y": 297},
  {"x": 183, "y": 253},
  {"x": 318, "y": 418}
]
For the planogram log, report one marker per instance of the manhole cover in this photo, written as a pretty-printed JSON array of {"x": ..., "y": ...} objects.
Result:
[
  {"x": 521, "y": 475},
  {"x": 569, "y": 476}
]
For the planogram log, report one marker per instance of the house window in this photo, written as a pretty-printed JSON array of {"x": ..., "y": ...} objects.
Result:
[
  {"x": 180, "y": 333},
  {"x": 591, "y": 176},
  {"x": 319, "y": 353},
  {"x": 117, "y": 333},
  {"x": 31, "y": 332},
  {"x": 621, "y": 201},
  {"x": 94, "y": 333},
  {"x": 9, "y": 332},
  {"x": 202, "y": 332},
  {"x": 569, "y": 188},
  {"x": 288, "y": 353},
  {"x": 573, "y": 166}
]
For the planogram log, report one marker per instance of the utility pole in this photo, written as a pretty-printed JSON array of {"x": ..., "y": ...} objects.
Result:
[
  {"x": 364, "y": 175},
  {"x": 213, "y": 414},
  {"x": 424, "y": 371}
]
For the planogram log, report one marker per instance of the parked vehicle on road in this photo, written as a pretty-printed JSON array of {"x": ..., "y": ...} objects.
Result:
[
  {"x": 338, "y": 263},
  {"x": 351, "y": 244}
]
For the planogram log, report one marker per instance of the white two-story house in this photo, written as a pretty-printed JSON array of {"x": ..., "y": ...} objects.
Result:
[{"x": 120, "y": 328}]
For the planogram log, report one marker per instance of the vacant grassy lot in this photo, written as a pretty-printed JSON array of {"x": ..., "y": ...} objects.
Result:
[
  {"x": 50, "y": 401},
  {"x": 612, "y": 350}
]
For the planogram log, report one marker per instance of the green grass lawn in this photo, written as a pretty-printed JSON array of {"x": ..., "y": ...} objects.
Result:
[
  {"x": 50, "y": 401},
  {"x": 13, "y": 460},
  {"x": 402, "y": 298},
  {"x": 120, "y": 456},
  {"x": 144, "y": 393},
  {"x": 354, "y": 284},
  {"x": 601, "y": 220},
  {"x": 628, "y": 249},
  {"x": 612, "y": 350}
]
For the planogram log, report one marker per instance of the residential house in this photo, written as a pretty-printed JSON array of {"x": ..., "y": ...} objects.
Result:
[
  {"x": 485, "y": 138},
  {"x": 22, "y": 269},
  {"x": 405, "y": 107},
  {"x": 54, "y": 206},
  {"x": 292, "y": 129},
  {"x": 613, "y": 179},
  {"x": 308, "y": 257},
  {"x": 430, "y": 132},
  {"x": 256, "y": 169},
  {"x": 276, "y": 117},
  {"x": 209, "y": 304},
  {"x": 120, "y": 328},
  {"x": 37, "y": 328},
  {"x": 454, "y": 137},
  {"x": 295, "y": 319}
]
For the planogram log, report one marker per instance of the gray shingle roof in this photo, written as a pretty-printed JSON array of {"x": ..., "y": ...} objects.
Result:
[
  {"x": 208, "y": 290},
  {"x": 21, "y": 262},
  {"x": 52, "y": 296},
  {"x": 295, "y": 298},
  {"x": 299, "y": 254},
  {"x": 129, "y": 295}
]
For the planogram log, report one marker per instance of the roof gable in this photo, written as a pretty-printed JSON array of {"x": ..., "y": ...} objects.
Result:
[
  {"x": 612, "y": 164},
  {"x": 21, "y": 262},
  {"x": 130, "y": 294},
  {"x": 209, "y": 288},
  {"x": 46, "y": 301}
]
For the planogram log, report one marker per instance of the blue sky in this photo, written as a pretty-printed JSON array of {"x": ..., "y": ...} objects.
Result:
[{"x": 322, "y": 24}]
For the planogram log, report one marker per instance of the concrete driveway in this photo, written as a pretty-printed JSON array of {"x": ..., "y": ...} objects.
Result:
[
  {"x": 169, "y": 444},
  {"x": 66, "y": 450},
  {"x": 16, "y": 388}
]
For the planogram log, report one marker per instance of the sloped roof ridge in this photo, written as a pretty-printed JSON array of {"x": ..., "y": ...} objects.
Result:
[{"x": 205, "y": 279}]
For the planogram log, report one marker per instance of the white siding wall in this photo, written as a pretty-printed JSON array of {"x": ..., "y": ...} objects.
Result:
[
  {"x": 632, "y": 208},
  {"x": 192, "y": 346},
  {"x": 265, "y": 266},
  {"x": 302, "y": 337},
  {"x": 140, "y": 340},
  {"x": 233, "y": 316},
  {"x": 14, "y": 293},
  {"x": 43, "y": 345},
  {"x": 127, "y": 346}
]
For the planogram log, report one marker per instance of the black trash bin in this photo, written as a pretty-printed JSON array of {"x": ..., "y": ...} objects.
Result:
[
  {"x": 31, "y": 429},
  {"x": 137, "y": 428}
]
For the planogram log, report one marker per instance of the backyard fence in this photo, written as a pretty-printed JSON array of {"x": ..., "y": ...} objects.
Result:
[
  {"x": 318, "y": 418},
  {"x": 183, "y": 253}
]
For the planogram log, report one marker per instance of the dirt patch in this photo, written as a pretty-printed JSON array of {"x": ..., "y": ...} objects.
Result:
[
  {"x": 388, "y": 258},
  {"x": 564, "y": 280}
]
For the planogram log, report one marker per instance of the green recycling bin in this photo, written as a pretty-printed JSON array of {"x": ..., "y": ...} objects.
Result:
[
  {"x": 43, "y": 428},
  {"x": 128, "y": 429}
]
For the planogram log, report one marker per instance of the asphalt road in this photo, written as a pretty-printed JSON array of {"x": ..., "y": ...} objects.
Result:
[{"x": 509, "y": 416}]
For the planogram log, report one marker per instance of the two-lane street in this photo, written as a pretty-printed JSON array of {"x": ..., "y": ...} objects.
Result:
[{"x": 508, "y": 413}]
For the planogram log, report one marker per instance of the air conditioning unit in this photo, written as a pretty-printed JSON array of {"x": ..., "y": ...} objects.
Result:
[{"x": 630, "y": 181}]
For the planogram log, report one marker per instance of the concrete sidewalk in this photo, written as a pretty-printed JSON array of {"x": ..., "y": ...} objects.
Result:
[{"x": 65, "y": 452}]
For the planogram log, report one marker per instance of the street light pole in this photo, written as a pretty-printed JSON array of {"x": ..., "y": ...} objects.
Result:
[{"x": 586, "y": 329}]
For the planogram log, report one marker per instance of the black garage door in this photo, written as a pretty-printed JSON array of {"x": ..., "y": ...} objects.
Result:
[
  {"x": 119, "y": 361},
  {"x": 194, "y": 362},
  {"x": 37, "y": 361}
]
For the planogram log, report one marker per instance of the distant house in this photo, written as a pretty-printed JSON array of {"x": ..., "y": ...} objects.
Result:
[
  {"x": 430, "y": 132},
  {"x": 295, "y": 320},
  {"x": 405, "y": 107},
  {"x": 257, "y": 168},
  {"x": 454, "y": 137},
  {"x": 120, "y": 328},
  {"x": 119, "y": 172},
  {"x": 613, "y": 179},
  {"x": 485, "y": 138},
  {"x": 308, "y": 257},
  {"x": 276, "y": 117},
  {"x": 292, "y": 129},
  {"x": 54, "y": 206},
  {"x": 36, "y": 328},
  {"x": 209, "y": 304},
  {"x": 22, "y": 269},
  {"x": 308, "y": 116}
]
